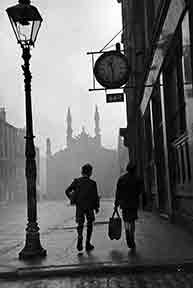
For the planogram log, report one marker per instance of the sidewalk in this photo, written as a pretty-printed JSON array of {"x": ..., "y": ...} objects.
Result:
[{"x": 160, "y": 245}]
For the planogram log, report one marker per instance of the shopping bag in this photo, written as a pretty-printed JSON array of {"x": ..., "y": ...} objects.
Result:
[{"x": 115, "y": 226}]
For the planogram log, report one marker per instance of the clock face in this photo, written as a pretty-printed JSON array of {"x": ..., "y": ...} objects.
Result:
[{"x": 111, "y": 69}]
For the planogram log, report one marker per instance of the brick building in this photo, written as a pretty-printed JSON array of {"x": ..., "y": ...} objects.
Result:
[{"x": 12, "y": 161}]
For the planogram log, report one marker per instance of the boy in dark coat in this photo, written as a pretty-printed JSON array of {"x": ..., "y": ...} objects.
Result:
[
  {"x": 83, "y": 193},
  {"x": 128, "y": 189}
]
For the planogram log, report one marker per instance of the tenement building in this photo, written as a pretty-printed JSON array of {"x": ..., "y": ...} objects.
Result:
[
  {"x": 65, "y": 165},
  {"x": 12, "y": 162},
  {"x": 158, "y": 41}
]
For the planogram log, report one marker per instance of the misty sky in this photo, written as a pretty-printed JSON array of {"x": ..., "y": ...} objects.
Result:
[{"x": 61, "y": 70}]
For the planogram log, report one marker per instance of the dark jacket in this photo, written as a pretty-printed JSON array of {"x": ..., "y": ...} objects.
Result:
[
  {"x": 128, "y": 190},
  {"x": 84, "y": 193}
]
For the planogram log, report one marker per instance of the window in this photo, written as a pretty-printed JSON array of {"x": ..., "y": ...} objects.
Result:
[
  {"x": 187, "y": 72},
  {"x": 186, "y": 56},
  {"x": 177, "y": 90}
]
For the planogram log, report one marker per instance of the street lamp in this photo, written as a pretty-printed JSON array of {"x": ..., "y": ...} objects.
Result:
[{"x": 26, "y": 21}]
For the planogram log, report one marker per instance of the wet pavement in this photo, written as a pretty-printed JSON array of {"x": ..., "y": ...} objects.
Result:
[
  {"x": 160, "y": 246},
  {"x": 13, "y": 220}
]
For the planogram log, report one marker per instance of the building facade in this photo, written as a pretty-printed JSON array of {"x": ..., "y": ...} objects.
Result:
[
  {"x": 65, "y": 165},
  {"x": 160, "y": 34},
  {"x": 12, "y": 162}
]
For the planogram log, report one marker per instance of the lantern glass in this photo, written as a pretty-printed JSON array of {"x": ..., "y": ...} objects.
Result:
[
  {"x": 26, "y": 22},
  {"x": 34, "y": 32}
]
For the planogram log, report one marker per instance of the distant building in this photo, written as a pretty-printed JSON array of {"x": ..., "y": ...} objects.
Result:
[
  {"x": 12, "y": 162},
  {"x": 64, "y": 166}
]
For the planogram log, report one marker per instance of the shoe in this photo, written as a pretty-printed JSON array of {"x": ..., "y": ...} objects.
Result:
[
  {"x": 133, "y": 249},
  {"x": 89, "y": 247},
  {"x": 79, "y": 244},
  {"x": 133, "y": 246}
]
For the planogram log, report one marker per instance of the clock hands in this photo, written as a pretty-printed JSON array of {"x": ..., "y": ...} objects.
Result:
[
  {"x": 111, "y": 69},
  {"x": 111, "y": 66}
]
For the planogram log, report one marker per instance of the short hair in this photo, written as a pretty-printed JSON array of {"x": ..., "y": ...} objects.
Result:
[{"x": 86, "y": 169}]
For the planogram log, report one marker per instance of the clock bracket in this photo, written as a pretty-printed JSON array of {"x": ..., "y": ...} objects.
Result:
[{"x": 95, "y": 86}]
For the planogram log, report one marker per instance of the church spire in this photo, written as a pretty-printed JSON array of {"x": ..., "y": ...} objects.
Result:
[
  {"x": 69, "y": 128},
  {"x": 48, "y": 147},
  {"x": 97, "y": 126}
]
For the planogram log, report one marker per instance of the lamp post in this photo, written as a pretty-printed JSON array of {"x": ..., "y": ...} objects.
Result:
[{"x": 26, "y": 21}]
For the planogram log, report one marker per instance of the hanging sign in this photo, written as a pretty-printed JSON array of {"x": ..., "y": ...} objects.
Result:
[{"x": 115, "y": 97}]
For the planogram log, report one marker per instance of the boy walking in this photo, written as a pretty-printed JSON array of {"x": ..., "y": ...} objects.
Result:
[
  {"x": 83, "y": 193},
  {"x": 128, "y": 189}
]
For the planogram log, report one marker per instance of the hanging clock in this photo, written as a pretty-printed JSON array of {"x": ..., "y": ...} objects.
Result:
[{"x": 111, "y": 69}]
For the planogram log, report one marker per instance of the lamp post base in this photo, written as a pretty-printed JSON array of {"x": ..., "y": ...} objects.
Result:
[{"x": 33, "y": 248}]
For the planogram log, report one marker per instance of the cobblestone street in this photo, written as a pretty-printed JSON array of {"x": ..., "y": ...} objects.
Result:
[{"x": 141, "y": 280}]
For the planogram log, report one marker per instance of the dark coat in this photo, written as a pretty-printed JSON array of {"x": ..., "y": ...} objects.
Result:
[
  {"x": 84, "y": 193},
  {"x": 128, "y": 190}
]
